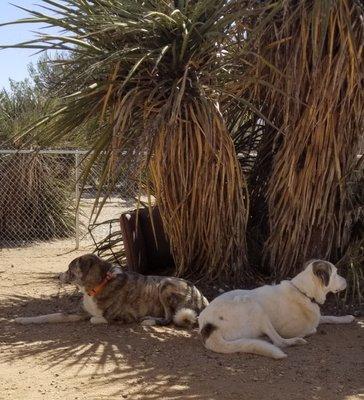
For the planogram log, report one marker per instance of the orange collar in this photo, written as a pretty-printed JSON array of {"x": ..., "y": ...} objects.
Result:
[{"x": 99, "y": 288}]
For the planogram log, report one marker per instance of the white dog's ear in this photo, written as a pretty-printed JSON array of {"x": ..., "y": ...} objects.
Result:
[
  {"x": 322, "y": 269},
  {"x": 308, "y": 263}
]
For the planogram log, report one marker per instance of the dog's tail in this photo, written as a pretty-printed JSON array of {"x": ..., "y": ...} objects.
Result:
[
  {"x": 185, "y": 317},
  {"x": 214, "y": 340}
]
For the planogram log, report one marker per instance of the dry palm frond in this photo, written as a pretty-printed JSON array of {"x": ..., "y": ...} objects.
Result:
[
  {"x": 311, "y": 57},
  {"x": 352, "y": 267},
  {"x": 200, "y": 187},
  {"x": 148, "y": 71},
  {"x": 352, "y": 263},
  {"x": 109, "y": 247}
]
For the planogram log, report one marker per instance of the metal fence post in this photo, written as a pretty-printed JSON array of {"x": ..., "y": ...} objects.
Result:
[{"x": 77, "y": 194}]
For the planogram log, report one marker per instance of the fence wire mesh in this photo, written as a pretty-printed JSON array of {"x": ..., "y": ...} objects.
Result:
[{"x": 38, "y": 199}]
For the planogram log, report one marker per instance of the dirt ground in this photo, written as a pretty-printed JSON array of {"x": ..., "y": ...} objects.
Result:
[{"x": 82, "y": 361}]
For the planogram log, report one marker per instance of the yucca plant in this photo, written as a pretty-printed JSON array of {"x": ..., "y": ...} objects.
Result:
[
  {"x": 149, "y": 71},
  {"x": 288, "y": 78},
  {"x": 311, "y": 58}
]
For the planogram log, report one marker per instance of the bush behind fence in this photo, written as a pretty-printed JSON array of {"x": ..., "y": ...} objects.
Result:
[{"x": 39, "y": 192}]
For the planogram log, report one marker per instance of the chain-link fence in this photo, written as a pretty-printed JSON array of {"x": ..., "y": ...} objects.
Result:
[{"x": 38, "y": 199}]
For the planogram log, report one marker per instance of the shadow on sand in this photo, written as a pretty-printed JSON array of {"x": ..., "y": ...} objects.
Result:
[{"x": 171, "y": 363}]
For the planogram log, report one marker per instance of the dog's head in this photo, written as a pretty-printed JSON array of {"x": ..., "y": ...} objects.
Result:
[
  {"x": 85, "y": 271},
  {"x": 323, "y": 278}
]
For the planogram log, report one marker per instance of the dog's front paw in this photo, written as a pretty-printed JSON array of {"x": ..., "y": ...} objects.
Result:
[
  {"x": 300, "y": 341},
  {"x": 296, "y": 341},
  {"x": 148, "y": 322},
  {"x": 22, "y": 320},
  {"x": 278, "y": 354},
  {"x": 98, "y": 320},
  {"x": 348, "y": 319}
]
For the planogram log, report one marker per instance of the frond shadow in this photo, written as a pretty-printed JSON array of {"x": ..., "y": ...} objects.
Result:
[{"x": 170, "y": 363}]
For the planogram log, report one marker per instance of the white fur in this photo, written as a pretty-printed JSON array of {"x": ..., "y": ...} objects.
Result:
[
  {"x": 281, "y": 312},
  {"x": 98, "y": 320},
  {"x": 185, "y": 316},
  {"x": 149, "y": 322},
  {"x": 346, "y": 319},
  {"x": 90, "y": 305},
  {"x": 255, "y": 346},
  {"x": 50, "y": 319}
]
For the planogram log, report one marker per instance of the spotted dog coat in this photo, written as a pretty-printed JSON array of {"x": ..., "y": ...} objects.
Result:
[{"x": 111, "y": 294}]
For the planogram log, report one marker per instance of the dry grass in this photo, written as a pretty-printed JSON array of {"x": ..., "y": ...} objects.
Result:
[{"x": 34, "y": 199}]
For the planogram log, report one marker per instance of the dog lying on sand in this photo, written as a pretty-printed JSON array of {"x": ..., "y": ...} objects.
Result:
[
  {"x": 234, "y": 321},
  {"x": 111, "y": 294}
]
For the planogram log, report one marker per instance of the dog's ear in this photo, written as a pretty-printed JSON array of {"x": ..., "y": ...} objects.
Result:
[
  {"x": 322, "y": 270},
  {"x": 74, "y": 265},
  {"x": 307, "y": 263},
  {"x": 85, "y": 262}
]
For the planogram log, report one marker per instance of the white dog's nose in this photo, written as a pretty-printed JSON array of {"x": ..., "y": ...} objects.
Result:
[{"x": 342, "y": 284}]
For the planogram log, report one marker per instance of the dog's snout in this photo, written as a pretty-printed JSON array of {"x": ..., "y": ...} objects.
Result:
[
  {"x": 340, "y": 284},
  {"x": 63, "y": 277}
]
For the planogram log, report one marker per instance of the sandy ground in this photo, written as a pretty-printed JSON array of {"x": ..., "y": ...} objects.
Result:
[{"x": 81, "y": 361}]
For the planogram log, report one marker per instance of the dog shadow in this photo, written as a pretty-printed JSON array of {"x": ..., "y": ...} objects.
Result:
[{"x": 169, "y": 362}]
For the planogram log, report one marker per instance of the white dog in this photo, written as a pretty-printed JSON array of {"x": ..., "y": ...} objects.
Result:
[{"x": 285, "y": 313}]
